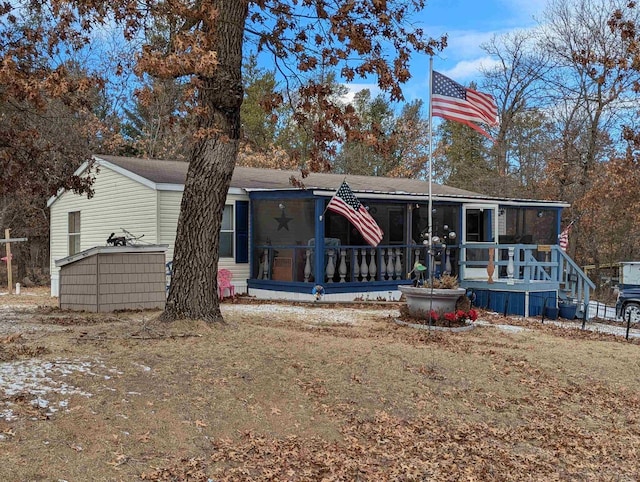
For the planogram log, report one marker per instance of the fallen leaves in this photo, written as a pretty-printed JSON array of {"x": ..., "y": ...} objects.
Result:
[
  {"x": 375, "y": 402},
  {"x": 532, "y": 428},
  {"x": 13, "y": 346},
  {"x": 119, "y": 459},
  {"x": 416, "y": 448},
  {"x": 191, "y": 469},
  {"x": 5, "y": 340}
]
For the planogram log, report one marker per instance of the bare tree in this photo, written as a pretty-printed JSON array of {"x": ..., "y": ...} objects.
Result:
[
  {"x": 592, "y": 90},
  {"x": 516, "y": 84},
  {"x": 589, "y": 83}
]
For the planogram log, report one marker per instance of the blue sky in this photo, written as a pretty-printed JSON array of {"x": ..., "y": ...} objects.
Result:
[{"x": 468, "y": 24}]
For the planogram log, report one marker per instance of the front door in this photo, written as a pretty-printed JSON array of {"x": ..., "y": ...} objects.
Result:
[{"x": 479, "y": 227}]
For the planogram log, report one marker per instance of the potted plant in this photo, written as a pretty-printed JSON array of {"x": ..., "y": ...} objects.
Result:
[
  {"x": 438, "y": 295},
  {"x": 438, "y": 305}
]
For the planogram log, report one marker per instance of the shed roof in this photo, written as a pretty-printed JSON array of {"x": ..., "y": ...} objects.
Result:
[{"x": 146, "y": 248}]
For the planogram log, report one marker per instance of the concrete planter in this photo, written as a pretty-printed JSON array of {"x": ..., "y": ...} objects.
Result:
[{"x": 420, "y": 301}]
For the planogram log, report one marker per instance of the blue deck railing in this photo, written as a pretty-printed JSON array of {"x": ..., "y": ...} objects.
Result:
[
  {"x": 523, "y": 265},
  {"x": 528, "y": 265}
]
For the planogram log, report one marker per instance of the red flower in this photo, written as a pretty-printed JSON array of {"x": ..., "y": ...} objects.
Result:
[
  {"x": 473, "y": 315},
  {"x": 450, "y": 316},
  {"x": 434, "y": 315}
]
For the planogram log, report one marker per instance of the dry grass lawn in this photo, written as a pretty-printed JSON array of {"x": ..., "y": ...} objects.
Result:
[{"x": 308, "y": 394}]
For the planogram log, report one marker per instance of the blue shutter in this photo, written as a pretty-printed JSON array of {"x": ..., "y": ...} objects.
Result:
[{"x": 242, "y": 231}]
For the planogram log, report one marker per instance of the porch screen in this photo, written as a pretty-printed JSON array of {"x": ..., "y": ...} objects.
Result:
[
  {"x": 446, "y": 218},
  {"x": 283, "y": 222},
  {"x": 281, "y": 230},
  {"x": 531, "y": 226},
  {"x": 390, "y": 217}
]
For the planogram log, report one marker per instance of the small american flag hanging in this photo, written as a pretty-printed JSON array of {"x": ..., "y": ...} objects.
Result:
[
  {"x": 344, "y": 202},
  {"x": 563, "y": 239}
]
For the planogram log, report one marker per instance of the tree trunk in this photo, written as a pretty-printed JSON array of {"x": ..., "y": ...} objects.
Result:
[{"x": 193, "y": 292}]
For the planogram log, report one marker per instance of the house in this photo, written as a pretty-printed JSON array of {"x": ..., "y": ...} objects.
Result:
[{"x": 279, "y": 241}]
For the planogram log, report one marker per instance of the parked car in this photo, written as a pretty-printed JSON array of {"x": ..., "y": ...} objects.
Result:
[{"x": 628, "y": 304}]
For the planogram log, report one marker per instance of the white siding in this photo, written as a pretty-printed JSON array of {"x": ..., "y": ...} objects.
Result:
[
  {"x": 169, "y": 210},
  {"x": 118, "y": 202}
]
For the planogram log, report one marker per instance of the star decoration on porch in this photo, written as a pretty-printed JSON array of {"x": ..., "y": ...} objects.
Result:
[{"x": 283, "y": 221}]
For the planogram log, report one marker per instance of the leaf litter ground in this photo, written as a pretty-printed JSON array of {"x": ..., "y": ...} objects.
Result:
[{"x": 310, "y": 392}]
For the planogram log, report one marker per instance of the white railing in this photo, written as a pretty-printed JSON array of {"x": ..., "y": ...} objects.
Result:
[{"x": 348, "y": 264}]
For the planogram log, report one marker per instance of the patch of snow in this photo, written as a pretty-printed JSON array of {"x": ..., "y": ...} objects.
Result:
[
  {"x": 7, "y": 414},
  {"x": 40, "y": 403},
  {"x": 36, "y": 378}
]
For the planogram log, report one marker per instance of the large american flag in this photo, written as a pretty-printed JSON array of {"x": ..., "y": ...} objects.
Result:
[
  {"x": 457, "y": 103},
  {"x": 344, "y": 202}
]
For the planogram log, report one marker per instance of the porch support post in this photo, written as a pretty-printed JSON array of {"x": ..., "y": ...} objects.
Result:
[
  {"x": 318, "y": 257},
  {"x": 556, "y": 273}
]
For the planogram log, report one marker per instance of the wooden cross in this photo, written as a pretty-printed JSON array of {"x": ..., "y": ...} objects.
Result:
[{"x": 7, "y": 242}]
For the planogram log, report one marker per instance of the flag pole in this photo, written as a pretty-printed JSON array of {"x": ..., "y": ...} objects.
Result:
[
  {"x": 430, "y": 215},
  {"x": 334, "y": 195}
]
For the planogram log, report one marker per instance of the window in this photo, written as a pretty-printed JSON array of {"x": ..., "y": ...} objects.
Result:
[
  {"x": 74, "y": 232},
  {"x": 227, "y": 233}
]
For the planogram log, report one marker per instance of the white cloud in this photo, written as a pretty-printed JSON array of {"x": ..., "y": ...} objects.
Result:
[
  {"x": 355, "y": 88},
  {"x": 470, "y": 69},
  {"x": 466, "y": 43}
]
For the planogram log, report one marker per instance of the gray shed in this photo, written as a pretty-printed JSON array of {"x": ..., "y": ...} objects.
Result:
[{"x": 109, "y": 278}]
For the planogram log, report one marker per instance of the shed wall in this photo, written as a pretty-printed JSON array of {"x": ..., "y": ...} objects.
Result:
[
  {"x": 131, "y": 281},
  {"x": 78, "y": 290},
  {"x": 114, "y": 281}
]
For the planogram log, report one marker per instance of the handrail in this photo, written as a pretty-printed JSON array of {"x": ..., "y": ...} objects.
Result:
[
  {"x": 524, "y": 265},
  {"x": 576, "y": 283}
]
